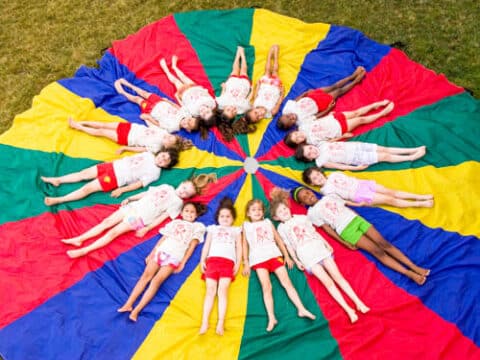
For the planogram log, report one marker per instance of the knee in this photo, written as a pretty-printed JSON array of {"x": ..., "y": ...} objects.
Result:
[
  {"x": 267, "y": 287},
  {"x": 211, "y": 290}
]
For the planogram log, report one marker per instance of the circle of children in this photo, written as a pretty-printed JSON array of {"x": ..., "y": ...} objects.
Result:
[{"x": 257, "y": 243}]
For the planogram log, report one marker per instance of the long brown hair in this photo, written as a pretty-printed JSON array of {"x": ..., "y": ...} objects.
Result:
[{"x": 278, "y": 196}]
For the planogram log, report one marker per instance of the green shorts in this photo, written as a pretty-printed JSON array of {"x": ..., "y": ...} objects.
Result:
[{"x": 354, "y": 231}]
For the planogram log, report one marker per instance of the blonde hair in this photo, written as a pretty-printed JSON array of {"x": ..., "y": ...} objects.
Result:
[
  {"x": 201, "y": 181},
  {"x": 278, "y": 196},
  {"x": 182, "y": 143},
  {"x": 250, "y": 203}
]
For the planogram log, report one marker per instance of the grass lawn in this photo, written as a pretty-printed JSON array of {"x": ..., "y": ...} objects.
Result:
[{"x": 43, "y": 41}]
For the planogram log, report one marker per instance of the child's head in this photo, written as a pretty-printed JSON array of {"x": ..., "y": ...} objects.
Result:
[
  {"x": 229, "y": 112},
  {"x": 206, "y": 112},
  {"x": 304, "y": 196},
  {"x": 286, "y": 121},
  {"x": 256, "y": 114},
  {"x": 191, "y": 211},
  {"x": 226, "y": 213},
  {"x": 205, "y": 124},
  {"x": 190, "y": 123},
  {"x": 255, "y": 210},
  {"x": 166, "y": 158},
  {"x": 306, "y": 153},
  {"x": 195, "y": 185},
  {"x": 295, "y": 138},
  {"x": 176, "y": 142},
  {"x": 314, "y": 176},
  {"x": 279, "y": 205}
]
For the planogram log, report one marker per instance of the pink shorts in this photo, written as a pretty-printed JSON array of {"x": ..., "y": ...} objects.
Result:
[
  {"x": 321, "y": 98},
  {"x": 218, "y": 267},
  {"x": 242, "y": 77},
  {"x": 123, "y": 129},
  {"x": 365, "y": 192},
  {"x": 147, "y": 105},
  {"x": 135, "y": 222},
  {"x": 106, "y": 176},
  {"x": 342, "y": 120},
  {"x": 164, "y": 259},
  {"x": 271, "y": 265},
  {"x": 271, "y": 80}
]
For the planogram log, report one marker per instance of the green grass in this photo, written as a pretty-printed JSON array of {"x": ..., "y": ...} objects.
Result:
[{"x": 43, "y": 41}]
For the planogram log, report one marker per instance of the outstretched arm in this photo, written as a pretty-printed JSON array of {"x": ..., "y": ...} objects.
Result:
[
  {"x": 121, "y": 149},
  {"x": 279, "y": 101},
  {"x": 149, "y": 119},
  {"x": 187, "y": 255},
  {"x": 117, "y": 192}
]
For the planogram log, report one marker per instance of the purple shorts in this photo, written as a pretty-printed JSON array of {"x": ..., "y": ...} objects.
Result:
[{"x": 365, "y": 192}]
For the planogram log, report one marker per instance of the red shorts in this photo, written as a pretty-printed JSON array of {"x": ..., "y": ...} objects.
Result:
[
  {"x": 218, "y": 267},
  {"x": 271, "y": 80},
  {"x": 147, "y": 105},
  {"x": 106, "y": 176},
  {"x": 321, "y": 98},
  {"x": 242, "y": 77},
  {"x": 123, "y": 130},
  {"x": 342, "y": 120},
  {"x": 271, "y": 265}
]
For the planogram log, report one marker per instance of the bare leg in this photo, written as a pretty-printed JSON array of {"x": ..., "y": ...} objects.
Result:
[
  {"x": 282, "y": 275},
  {"x": 148, "y": 274},
  {"x": 163, "y": 273},
  {"x": 243, "y": 62},
  {"x": 393, "y": 251},
  {"x": 395, "y": 150},
  {"x": 264, "y": 278},
  {"x": 111, "y": 235},
  {"x": 402, "y": 194},
  {"x": 223, "y": 286},
  {"x": 276, "y": 49},
  {"x": 208, "y": 303},
  {"x": 345, "y": 84},
  {"x": 379, "y": 198},
  {"x": 133, "y": 98},
  {"x": 354, "y": 122},
  {"x": 92, "y": 128},
  {"x": 84, "y": 191},
  {"x": 82, "y": 175},
  {"x": 180, "y": 74},
  {"x": 370, "y": 246},
  {"x": 365, "y": 109},
  {"x": 393, "y": 157},
  {"x": 337, "y": 276},
  {"x": 236, "y": 62},
  {"x": 172, "y": 78},
  {"x": 325, "y": 279},
  {"x": 106, "y": 223}
]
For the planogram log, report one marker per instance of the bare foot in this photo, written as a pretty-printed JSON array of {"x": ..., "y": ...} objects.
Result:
[
  {"x": 174, "y": 61},
  {"x": 72, "y": 123},
  {"x": 388, "y": 109},
  {"x": 418, "y": 153},
  {"x": 220, "y": 330},
  {"x": 203, "y": 329},
  {"x": 72, "y": 241},
  {"x": 306, "y": 313},
  {"x": 271, "y": 324},
  {"x": 118, "y": 85},
  {"x": 381, "y": 103},
  {"x": 163, "y": 63},
  {"x": 426, "y": 203},
  {"x": 353, "y": 316},
  {"x": 363, "y": 308},
  {"x": 124, "y": 308},
  {"x": 76, "y": 253},
  {"x": 51, "y": 180},
  {"x": 421, "y": 271},
  {"x": 133, "y": 316},
  {"x": 419, "y": 279}
]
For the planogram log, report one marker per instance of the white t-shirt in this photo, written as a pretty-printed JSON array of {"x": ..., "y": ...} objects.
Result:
[
  {"x": 196, "y": 96},
  {"x": 151, "y": 137},
  {"x": 168, "y": 115},
  {"x": 235, "y": 94},
  {"x": 341, "y": 185},
  {"x": 140, "y": 167},
  {"x": 299, "y": 234},
  {"x": 261, "y": 242},
  {"x": 223, "y": 242},
  {"x": 267, "y": 96},
  {"x": 350, "y": 153},
  {"x": 157, "y": 200},
  {"x": 331, "y": 210},
  {"x": 303, "y": 108},
  {"x": 319, "y": 130},
  {"x": 178, "y": 236}
]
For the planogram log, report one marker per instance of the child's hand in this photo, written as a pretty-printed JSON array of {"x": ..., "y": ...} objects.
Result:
[
  {"x": 347, "y": 135},
  {"x": 141, "y": 232},
  {"x": 289, "y": 263},
  {"x": 120, "y": 150},
  {"x": 179, "y": 268},
  {"x": 246, "y": 270},
  {"x": 148, "y": 258},
  {"x": 300, "y": 265},
  {"x": 116, "y": 193},
  {"x": 125, "y": 202},
  {"x": 203, "y": 266},
  {"x": 361, "y": 167},
  {"x": 235, "y": 268}
]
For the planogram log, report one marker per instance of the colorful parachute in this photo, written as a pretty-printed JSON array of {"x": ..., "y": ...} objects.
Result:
[{"x": 53, "y": 307}]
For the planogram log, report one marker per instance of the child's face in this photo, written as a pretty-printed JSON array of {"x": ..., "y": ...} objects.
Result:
[
  {"x": 188, "y": 124},
  {"x": 258, "y": 113},
  {"x": 255, "y": 212},
  {"x": 186, "y": 190},
  {"x": 307, "y": 197},
  {"x": 205, "y": 112},
  {"x": 283, "y": 213},
  {"x": 163, "y": 159},
  {"x": 288, "y": 120},
  {"x": 298, "y": 136},
  {"x": 169, "y": 141},
  {"x": 225, "y": 217},
  {"x": 230, "y": 111},
  {"x": 317, "y": 178},
  {"x": 311, "y": 152},
  {"x": 189, "y": 213}
]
